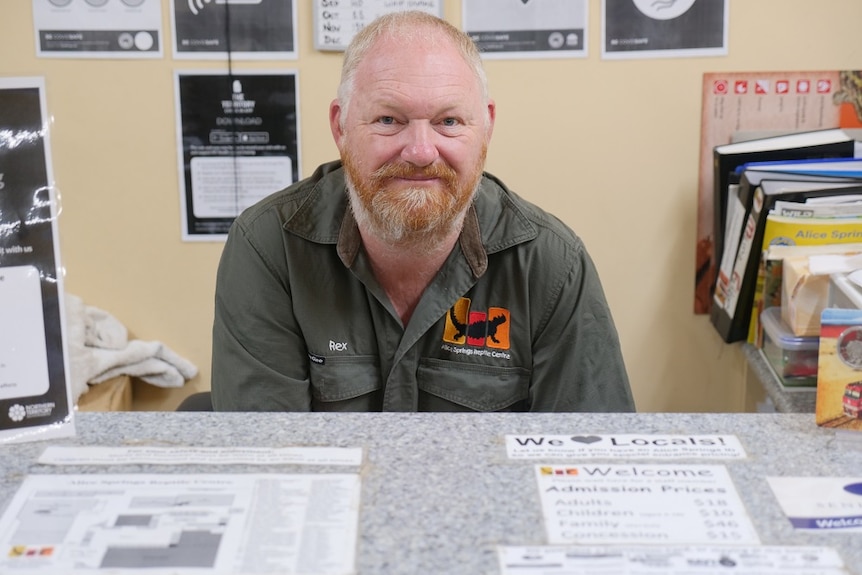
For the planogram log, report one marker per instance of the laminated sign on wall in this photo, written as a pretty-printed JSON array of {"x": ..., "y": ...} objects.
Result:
[{"x": 34, "y": 394}]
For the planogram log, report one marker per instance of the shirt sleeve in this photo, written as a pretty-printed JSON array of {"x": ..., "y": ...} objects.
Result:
[
  {"x": 259, "y": 358},
  {"x": 577, "y": 360}
]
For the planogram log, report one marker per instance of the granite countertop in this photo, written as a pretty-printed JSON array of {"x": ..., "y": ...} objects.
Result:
[{"x": 438, "y": 490}]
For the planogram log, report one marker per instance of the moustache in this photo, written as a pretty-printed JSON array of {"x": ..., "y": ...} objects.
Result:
[{"x": 391, "y": 171}]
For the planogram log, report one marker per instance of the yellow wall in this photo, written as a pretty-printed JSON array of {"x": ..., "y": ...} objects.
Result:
[{"x": 609, "y": 146}]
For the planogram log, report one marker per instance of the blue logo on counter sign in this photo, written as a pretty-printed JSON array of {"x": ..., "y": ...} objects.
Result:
[{"x": 854, "y": 488}]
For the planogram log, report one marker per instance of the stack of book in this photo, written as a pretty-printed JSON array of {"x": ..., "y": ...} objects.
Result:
[{"x": 800, "y": 189}]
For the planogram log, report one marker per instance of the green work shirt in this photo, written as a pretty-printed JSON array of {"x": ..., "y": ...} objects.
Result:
[{"x": 515, "y": 320}]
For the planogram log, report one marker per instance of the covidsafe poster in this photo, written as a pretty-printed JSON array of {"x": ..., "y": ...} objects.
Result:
[{"x": 34, "y": 391}]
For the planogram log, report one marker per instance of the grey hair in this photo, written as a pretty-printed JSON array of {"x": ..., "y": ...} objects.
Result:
[{"x": 412, "y": 26}]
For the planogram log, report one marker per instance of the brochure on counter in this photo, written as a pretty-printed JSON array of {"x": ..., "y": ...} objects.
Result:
[
  {"x": 154, "y": 455},
  {"x": 717, "y": 560},
  {"x": 163, "y": 524}
]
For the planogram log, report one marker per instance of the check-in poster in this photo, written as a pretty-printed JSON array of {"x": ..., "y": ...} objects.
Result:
[
  {"x": 519, "y": 29},
  {"x": 235, "y": 29},
  {"x": 98, "y": 28},
  {"x": 664, "y": 28},
  {"x": 34, "y": 394},
  {"x": 238, "y": 140}
]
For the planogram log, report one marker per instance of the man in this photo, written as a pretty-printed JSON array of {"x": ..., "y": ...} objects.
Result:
[{"x": 403, "y": 278}]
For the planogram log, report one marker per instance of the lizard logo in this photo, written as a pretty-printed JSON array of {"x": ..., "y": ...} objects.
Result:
[{"x": 477, "y": 328}]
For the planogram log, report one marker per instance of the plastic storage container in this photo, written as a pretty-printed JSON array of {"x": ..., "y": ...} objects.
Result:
[{"x": 793, "y": 358}]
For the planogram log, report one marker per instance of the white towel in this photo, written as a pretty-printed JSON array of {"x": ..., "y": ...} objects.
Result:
[
  {"x": 79, "y": 357},
  {"x": 99, "y": 349},
  {"x": 101, "y": 329},
  {"x": 147, "y": 360}
]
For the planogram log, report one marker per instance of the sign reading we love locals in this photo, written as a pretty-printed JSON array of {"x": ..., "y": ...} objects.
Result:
[{"x": 624, "y": 446}]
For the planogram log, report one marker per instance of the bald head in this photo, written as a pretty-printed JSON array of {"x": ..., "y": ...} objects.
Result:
[{"x": 410, "y": 28}]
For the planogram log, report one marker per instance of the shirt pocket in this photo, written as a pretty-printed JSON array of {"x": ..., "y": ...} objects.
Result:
[
  {"x": 346, "y": 384},
  {"x": 453, "y": 386}
]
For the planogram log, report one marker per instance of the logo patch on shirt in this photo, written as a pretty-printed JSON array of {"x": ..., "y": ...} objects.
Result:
[{"x": 465, "y": 326}]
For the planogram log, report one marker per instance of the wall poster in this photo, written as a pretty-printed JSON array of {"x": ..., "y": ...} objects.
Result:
[
  {"x": 234, "y": 29},
  {"x": 519, "y": 29},
  {"x": 337, "y": 21},
  {"x": 98, "y": 28},
  {"x": 238, "y": 142},
  {"x": 664, "y": 28}
]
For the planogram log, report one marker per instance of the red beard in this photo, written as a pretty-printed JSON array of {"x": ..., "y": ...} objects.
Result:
[{"x": 405, "y": 214}]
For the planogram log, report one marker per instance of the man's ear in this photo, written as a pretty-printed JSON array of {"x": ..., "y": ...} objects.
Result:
[
  {"x": 335, "y": 122},
  {"x": 492, "y": 116}
]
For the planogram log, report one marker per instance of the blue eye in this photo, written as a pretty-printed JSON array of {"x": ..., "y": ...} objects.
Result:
[
  {"x": 450, "y": 122},
  {"x": 386, "y": 120}
]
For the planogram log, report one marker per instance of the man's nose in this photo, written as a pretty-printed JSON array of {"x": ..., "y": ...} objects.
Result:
[{"x": 420, "y": 148}]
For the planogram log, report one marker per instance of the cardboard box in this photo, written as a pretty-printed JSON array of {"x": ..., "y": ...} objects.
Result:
[
  {"x": 803, "y": 297},
  {"x": 114, "y": 394}
]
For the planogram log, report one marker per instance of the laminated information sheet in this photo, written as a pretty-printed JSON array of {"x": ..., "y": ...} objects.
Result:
[
  {"x": 175, "y": 523},
  {"x": 671, "y": 560},
  {"x": 624, "y": 446},
  {"x": 156, "y": 455},
  {"x": 668, "y": 504},
  {"x": 826, "y": 504}
]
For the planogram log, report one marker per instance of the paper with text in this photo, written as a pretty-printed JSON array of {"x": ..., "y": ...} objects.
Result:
[
  {"x": 669, "y": 560},
  {"x": 87, "y": 455},
  {"x": 820, "y": 503},
  {"x": 165, "y": 524},
  {"x": 624, "y": 446},
  {"x": 667, "y": 504}
]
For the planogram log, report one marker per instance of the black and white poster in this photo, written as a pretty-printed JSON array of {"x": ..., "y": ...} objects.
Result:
[
  {"x": 518, "y": 29},
  {"x": 664, "y": 28},
  {"x": 238, "y": 142},
  {"x": 98, "y": 28},
  {"x": 34, "y": 390},
  {"x": 336, "y": 22},
  {"x": 234, "y": 29}
]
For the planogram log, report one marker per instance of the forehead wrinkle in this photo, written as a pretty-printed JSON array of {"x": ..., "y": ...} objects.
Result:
[
  {"x": 393, "y": 91},
  {"x": 406, "y": 88}
]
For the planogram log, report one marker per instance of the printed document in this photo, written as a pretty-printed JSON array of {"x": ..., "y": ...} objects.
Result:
[{"x": 207, "y": 524}]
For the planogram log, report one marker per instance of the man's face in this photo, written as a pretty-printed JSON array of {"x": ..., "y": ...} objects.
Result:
[{"x": 413, "y": 140}]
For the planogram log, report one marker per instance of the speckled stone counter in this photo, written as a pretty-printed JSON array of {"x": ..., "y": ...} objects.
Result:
[{"x": 438, "y": 490}]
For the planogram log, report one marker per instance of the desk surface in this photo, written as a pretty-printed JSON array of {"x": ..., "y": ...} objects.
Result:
[{"x": 438, "y": 490}]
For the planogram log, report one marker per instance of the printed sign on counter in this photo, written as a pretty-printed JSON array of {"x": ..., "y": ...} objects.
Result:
[
  {"x": 820, "y": 503},
  {"x": 35, "y": 399},
  {"x": 670, "y": 560},
  {"x": 94, "y": 455},
  {"x": 166, "y": 524},
  {"x": 642, "y": 504},
  {"x": 624, "y": 446}
]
